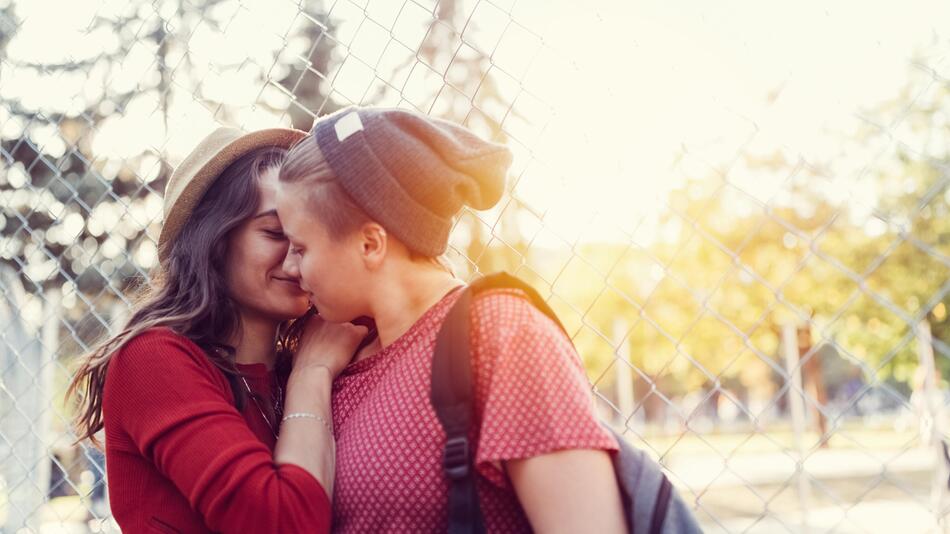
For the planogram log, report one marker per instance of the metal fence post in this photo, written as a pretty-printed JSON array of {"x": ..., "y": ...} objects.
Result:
[
  {"x": 624, "y": 375},
  {"x": 796, "y": 405},
  {"x": 933, "y": 413},
  {"x": 21, "y": 359}
]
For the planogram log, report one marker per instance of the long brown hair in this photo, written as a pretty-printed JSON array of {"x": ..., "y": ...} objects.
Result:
[{"x": 188, "y": 293}]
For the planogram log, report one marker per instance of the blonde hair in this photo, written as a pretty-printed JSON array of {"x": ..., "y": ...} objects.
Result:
[{"x": 306, "y": 167}]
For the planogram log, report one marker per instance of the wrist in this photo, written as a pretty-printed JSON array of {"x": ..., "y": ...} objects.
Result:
[
  {"x": 313, "y": 373},
  {"x": 308, "y": 389}
]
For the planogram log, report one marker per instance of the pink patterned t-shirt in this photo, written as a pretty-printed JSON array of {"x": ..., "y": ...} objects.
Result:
[{"x": 531, "y": 398}]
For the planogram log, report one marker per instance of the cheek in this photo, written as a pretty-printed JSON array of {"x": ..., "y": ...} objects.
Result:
[
  {"x": 273, "y": 254},
  {"x": 322, "y": 274},
  {"x": 310, "y": 270},
  {"x": 244, "y": 281},
  {"x": 240, "y": 264},
  {"x": 255, "y": 273},
  {"x": 256, "y": 262}
]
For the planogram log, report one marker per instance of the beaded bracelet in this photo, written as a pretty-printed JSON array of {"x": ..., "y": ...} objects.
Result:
[{"x": 308, "y": 415}]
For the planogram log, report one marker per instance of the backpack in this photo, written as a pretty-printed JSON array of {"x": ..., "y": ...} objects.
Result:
[{"x": 651, "y": 506}]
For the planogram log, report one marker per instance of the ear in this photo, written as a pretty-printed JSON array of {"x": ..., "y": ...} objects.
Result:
[{"x": 374, "y": 243}]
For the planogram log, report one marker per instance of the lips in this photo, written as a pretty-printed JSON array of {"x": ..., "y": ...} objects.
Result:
[{"x": 288, "y": 281}]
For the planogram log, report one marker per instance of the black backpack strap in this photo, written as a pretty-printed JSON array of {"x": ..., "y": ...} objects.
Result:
[
  {"x": 504, "y": 280},
  {"x": 661, "y": 507},
  {"x": 452, "y": 399},
  {"x": 651, "y": 503}
]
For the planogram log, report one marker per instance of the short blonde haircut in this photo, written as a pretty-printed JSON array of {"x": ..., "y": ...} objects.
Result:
[{"x": 306, "y": 167}]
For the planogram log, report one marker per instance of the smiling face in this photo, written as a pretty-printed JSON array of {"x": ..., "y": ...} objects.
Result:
[{"x": 255, "y": 277}]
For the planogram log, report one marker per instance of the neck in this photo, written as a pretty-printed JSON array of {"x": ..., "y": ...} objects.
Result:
[
  {"x": 404, "y": 300},
  {"x": 255, "y": 341}
]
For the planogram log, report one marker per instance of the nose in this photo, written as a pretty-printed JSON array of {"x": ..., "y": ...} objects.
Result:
[{"x": 291, "y": 265}]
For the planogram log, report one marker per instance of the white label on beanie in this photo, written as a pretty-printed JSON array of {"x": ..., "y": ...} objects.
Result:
[{"x": 348, "y": 125}]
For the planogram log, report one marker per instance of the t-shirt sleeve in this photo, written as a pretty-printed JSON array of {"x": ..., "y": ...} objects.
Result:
[
  {"x": 171, "y": 407},
  {"x": 531, "y": 393}
]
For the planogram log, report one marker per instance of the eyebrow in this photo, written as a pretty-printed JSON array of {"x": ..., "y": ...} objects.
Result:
[{"x": 265, "y": 214}]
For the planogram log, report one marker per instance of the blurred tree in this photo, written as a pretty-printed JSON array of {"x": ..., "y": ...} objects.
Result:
[
  {"x": 706, "y": 298},
  {"x": 914, "y": 203},
  {"x": 462, "y": 86},
  {"x": 306, "y": 80},
  {"x": 84, "y": 216}
]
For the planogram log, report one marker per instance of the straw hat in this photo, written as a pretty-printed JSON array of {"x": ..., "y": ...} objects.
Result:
[{"x": 201, "y": 168}]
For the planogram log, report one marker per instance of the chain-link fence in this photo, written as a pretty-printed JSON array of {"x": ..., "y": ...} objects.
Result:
[{"x": 740, "y": 212}]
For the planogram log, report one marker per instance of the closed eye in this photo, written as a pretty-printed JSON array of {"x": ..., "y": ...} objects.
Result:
[{"x": 275, "y": 234}]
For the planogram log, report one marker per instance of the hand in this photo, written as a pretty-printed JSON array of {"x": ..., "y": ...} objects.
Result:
[{"x": 330, "y": 345}]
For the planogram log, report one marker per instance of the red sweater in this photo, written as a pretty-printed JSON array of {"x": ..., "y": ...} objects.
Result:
[{"x": 180, "y": 456}]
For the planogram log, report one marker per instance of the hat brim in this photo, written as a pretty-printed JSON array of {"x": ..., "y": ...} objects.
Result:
[{"x": 193, "y": 192}]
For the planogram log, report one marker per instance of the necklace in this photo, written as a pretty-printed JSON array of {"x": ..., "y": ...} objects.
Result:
[{"x": 277, "y": 405}]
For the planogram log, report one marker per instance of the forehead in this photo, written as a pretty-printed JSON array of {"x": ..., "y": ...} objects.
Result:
[
  {"x": 291, "y": 207},
  {"x": 267, "y": 184},
  {"x": 291, "y": 197},
  {"x": 296, "y": 215}
]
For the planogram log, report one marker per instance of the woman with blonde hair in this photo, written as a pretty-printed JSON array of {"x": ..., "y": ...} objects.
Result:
[{"x": 367, "y": 201}]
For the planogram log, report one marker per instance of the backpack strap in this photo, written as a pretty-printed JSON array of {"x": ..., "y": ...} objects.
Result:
[
  {"x": 452, "y": 398},
  {"x": 661, "y": 507},
  {"x": 503, "y": 280},
  {"x": 650, "y": 503}
]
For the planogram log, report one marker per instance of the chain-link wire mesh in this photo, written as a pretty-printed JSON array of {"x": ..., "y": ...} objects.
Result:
[{"x": 741, "y": 216}]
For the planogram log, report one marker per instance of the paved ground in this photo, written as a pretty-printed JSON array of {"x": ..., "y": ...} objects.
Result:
[
  {"x": 847, "y": 491},
  {"x": 867, "y": 480}
]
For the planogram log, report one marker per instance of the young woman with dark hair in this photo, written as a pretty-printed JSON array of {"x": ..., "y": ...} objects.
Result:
[{"x": 214, "y": 397}]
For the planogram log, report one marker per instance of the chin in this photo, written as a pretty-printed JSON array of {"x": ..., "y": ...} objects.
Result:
[
  {"x": 292, "y": 310},
  {"x": 332, "y": 317}
]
